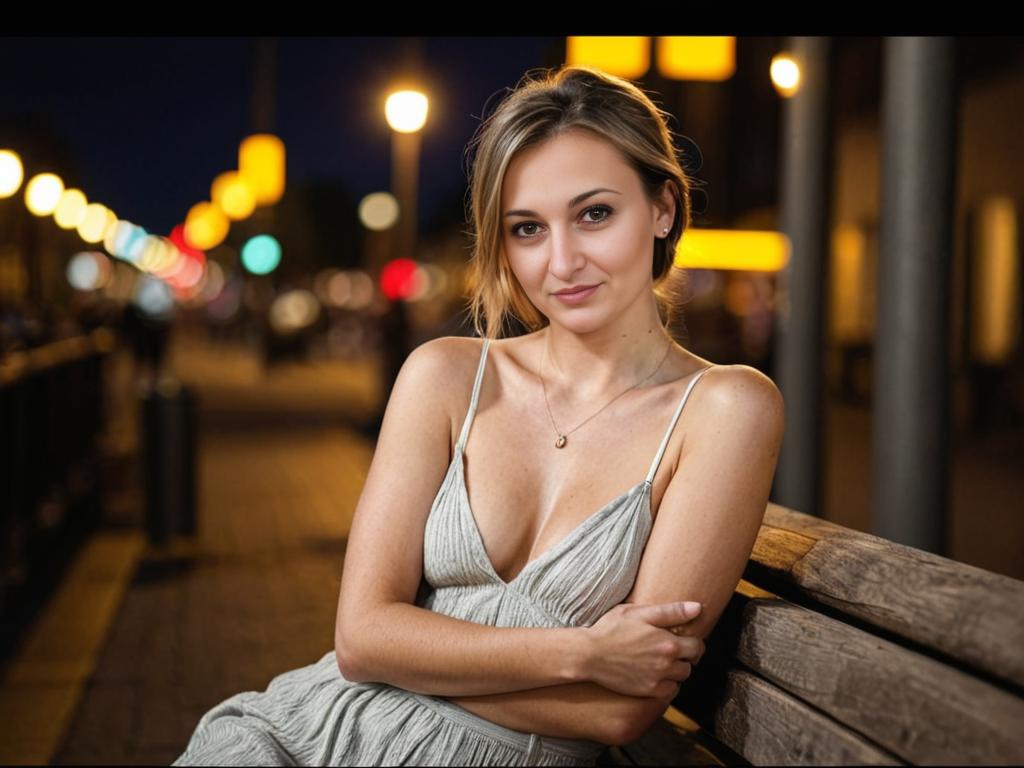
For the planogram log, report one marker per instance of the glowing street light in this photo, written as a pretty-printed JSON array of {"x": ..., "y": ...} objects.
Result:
[
  {"x": 71, "y": 209},
  {"x": 628, "y": 57},
  {"x": 261, "y": 164},
  {"x": 705, "y": 58},
  {"x": 42, "y": 193},
  {"x": 406, "y": 111},
  {"x": 232, "y": 194},
  {"x": 11, "y": 172},
  {"x": 785, "y": 74},
  {"x": 95, "y": 222},
  {"x": 206, "y": 226}
]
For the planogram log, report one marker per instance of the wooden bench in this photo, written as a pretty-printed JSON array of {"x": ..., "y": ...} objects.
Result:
[{"x": 843, "y": 648}]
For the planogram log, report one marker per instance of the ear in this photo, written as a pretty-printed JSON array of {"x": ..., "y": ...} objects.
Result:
[{"x": 665, "y": 208}]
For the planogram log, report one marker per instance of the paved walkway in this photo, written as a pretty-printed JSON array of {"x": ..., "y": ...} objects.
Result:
[{"x": 255, "y": 594}]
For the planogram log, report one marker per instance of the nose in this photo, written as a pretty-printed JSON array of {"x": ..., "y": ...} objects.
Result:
[{"x": 564, "y": 257}]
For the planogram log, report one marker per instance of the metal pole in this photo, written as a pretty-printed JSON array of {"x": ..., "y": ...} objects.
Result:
[
  {"x": 910, "y": 443},
  {"x": 404, "y": 181},
  {"x": 804, "y": 216}
]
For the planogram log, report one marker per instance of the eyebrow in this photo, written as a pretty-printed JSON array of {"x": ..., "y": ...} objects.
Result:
[{"x": 572, "y": 203}]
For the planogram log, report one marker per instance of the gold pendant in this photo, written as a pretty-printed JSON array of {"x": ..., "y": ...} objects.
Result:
[{"x": 560, "y": 442}]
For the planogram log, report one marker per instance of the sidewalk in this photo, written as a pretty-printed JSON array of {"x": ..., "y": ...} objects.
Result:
[{"x": 158, "y": 636}]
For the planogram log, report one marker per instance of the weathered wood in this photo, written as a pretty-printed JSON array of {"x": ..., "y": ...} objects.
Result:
[
  {"x": 919, "y": 709},
  {"x": 795, "y": 673},
  {"x": 769, "y": 727},
  {"x": 968, "y": 613}
]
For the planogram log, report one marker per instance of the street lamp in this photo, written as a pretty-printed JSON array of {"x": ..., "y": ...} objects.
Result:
[{"x": 406, "y": 113}]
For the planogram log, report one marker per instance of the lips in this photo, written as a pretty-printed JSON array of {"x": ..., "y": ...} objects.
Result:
[{"x": 572, "y": 291}]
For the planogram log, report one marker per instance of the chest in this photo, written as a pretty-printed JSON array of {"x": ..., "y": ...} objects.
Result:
[{"x": 527, "y": 497}]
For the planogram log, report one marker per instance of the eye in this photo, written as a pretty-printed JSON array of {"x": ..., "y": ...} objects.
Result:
[
  {"x": 604, "y": 211},
  {"x": 515, "y": 229},
  {"x": 599, "y": 209}
]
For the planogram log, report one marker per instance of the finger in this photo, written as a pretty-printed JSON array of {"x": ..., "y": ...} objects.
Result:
[
  {"x": 679, "y": 670},
  {"x": 666, "y": 689},
  {"x": 668, "y": 614},
  {"x": 689, "y": 647}
]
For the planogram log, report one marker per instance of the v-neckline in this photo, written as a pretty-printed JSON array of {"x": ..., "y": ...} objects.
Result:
[{"x": 583, "y": 525}]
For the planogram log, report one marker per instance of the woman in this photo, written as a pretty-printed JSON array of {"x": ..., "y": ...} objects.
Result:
[{"x": 522, "y": 617}]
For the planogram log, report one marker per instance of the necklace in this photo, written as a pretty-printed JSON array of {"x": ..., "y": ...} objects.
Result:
[{"x": 563, "y": 437}]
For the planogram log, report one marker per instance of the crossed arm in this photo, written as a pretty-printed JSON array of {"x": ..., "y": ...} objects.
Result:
[
  {"x": 704, "y": 532},
  {"x": 533, "y": 680}
]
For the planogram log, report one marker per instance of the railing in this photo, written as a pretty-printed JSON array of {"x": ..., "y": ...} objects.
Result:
[{"x": 51, "y": 414}]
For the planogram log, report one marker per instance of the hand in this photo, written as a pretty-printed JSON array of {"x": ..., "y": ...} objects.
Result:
[{"x": 634, "y": 653}]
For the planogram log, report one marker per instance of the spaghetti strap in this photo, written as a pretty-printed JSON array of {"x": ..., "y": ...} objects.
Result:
[
  {"x": 672, "y": 425},
  {"x": 473, "y": 400}
]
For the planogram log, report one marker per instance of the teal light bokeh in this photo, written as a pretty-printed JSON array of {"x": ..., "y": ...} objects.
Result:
[{"x": 261, "y": 254}]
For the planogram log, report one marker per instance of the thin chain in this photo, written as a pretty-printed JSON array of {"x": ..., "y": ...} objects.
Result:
[{"x": 563, "y": 435}]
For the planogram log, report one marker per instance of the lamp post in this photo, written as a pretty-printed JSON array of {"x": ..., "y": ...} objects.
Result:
[{"x": 406, "y": 112}]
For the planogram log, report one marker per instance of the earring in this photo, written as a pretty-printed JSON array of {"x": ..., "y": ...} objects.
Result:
[{"x": 665, "y": 231}]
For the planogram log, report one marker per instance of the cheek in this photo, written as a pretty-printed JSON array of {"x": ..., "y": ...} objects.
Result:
[
  {"x": 626, "y": 255},
  {"x": 529, "y": 272}
]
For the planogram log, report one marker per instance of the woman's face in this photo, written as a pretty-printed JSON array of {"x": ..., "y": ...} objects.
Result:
[{"x": 574, "y": 213}]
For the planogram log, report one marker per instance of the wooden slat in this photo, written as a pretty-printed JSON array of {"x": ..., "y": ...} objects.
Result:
[
  {"x": 769, "y": 727},
  {"x": 969, "y": 613},
  {"x": 921, "y": 710}
]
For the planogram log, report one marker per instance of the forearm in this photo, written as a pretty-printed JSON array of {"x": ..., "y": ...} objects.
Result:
[
  {"x": 425, "y": 652},
  {"x": 581, "y": 710}
]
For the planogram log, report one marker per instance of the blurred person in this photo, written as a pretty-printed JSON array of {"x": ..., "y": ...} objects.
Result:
[
  {"x": 500, "y": 609},
  {"x": 147, "y": 336}
]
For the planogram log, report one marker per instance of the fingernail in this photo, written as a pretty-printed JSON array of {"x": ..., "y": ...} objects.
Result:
[{"x": 691, "y": 607}]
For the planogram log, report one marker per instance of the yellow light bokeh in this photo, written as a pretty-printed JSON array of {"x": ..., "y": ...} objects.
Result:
[
  {"x": 206, "y": 226},
  {"x": 406, "y": 111},
  {"x": 95, "y": 223},
  {"x": 71, "y": 209},
  {"x": 11, "y": 172},
  {"x": 261, "y": 163},
  {"x": 697, "y": 58},
  {"x": 785, "y": 74},
  {"x": 628, "y": 57},
  {"x": 42, "y": 193},
  {"x": 852, "y": 290},
  {"x": 158, "y": 254},
  {"x": 232, "y": 194},
  {"x": 995, "y": 280},
  {"x": 753, "y": 250}
]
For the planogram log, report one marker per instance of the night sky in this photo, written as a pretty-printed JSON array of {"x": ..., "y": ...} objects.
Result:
[{"x": 149, "y": 122}]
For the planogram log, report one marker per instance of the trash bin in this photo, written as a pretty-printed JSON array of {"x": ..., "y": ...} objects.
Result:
[{"x": 168, "y": 443}]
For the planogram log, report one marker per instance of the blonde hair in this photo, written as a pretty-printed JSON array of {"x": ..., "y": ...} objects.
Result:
[{"x": 540, "y": 108}]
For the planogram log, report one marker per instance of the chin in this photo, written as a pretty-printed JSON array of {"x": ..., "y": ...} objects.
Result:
[{"x": 579, "y": 322}]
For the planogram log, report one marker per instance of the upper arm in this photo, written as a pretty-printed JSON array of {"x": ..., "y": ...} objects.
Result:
[
  {"x": 384, "y": 552},
  {"x": 711, "y": 512}
]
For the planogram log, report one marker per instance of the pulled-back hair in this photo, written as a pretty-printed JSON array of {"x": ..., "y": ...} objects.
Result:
[{"x": 545, "y": 104}]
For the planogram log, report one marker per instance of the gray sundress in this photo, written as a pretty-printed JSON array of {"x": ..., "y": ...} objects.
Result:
[{"x": 314, "y": 716}]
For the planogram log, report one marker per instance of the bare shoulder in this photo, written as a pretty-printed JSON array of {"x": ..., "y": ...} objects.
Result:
[
  {"x": 737, "y": 398},
  {"x": 440, "y": 372},
  {"x": 444, "y": 352}
]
